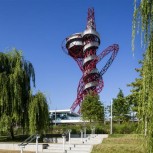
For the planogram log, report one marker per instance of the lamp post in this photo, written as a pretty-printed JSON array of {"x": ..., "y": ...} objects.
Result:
[
  {"x": 69, "y": 131},
  {"x": 37, "y": 137},
  {"x": 84, "y": 132},
  {"x": 111, "y": 118},
  {"x": 55, "y": 117},
  {"x": 92, "y": 131},
  {"x": 81, "y": 135},
  {"x": 22, "y": 148},
  {"x": 64, "y": 136}
]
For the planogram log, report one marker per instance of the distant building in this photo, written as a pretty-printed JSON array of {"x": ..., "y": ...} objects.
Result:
[{"x": 65, "y": 116}]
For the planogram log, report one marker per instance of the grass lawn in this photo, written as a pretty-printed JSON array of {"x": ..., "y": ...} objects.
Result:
[{"x": 126, "y": 143}]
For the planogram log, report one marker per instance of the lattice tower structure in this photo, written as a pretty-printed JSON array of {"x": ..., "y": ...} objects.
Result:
[{"x": 82, "y": 47}]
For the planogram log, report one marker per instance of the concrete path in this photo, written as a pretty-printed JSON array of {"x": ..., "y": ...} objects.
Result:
[{"x": 77, "y": 145}]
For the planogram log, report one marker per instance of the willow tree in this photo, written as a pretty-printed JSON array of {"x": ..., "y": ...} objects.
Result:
[
  {"x": 39, "y": 114},
  {"x": 143, "y": 19},
  {"x": 16, "y": 75}
]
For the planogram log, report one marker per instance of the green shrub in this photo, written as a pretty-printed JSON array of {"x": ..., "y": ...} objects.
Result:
[{"x": 125, "y": 128}]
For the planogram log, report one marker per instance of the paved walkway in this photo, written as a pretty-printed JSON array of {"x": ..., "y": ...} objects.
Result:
[{"x": 77, "y": 145}]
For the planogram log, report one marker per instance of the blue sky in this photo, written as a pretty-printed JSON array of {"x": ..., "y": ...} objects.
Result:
[{"x": 38, "y": 27}]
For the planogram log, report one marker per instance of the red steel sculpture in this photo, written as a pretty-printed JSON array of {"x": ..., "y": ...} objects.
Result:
[{"x": 82, "y": 48}]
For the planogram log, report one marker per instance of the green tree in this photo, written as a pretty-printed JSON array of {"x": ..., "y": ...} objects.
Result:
[
  {"x": 92, "y": 109},
  {"x": 15, "y": 85},
  {"x": 120, "y": 107},
  {"x": 136, "y": 87},
  {"x": 38, "y": 114},
  {"x": 143, "y": 18}
]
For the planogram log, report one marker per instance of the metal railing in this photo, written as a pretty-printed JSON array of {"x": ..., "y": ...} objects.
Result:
[{"x": 28, "y": 140}]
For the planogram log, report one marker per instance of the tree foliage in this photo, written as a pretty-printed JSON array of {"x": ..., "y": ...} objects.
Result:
[
  {"x": 120, "y": 107},
  {"x": 39, "y": 115},
  {"x": 92, "y": 109},
  {"x": 143, "y": 17},
  {"x": 15, "y": 80},
  {"x": 143, "y": 20},
  {"x": 18, "y": 107},
  {"x": 136, "y": 86},
  {"x": 146, "y": 97}
]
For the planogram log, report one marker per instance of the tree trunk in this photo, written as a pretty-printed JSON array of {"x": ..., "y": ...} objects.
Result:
[{"x": 11, "y": 132}]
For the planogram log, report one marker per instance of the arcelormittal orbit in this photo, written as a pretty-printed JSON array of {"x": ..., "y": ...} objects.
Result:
[{"x": 82, "y": 48}]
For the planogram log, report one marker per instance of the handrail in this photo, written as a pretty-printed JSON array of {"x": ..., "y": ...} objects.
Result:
[{"x": 28, "y": 140}]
